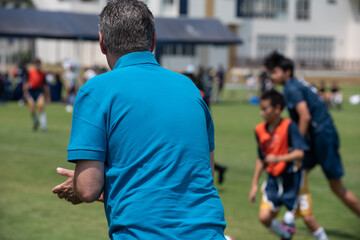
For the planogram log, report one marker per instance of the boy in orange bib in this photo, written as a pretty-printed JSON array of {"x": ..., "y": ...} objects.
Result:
[{"x": 281, "y": 149}]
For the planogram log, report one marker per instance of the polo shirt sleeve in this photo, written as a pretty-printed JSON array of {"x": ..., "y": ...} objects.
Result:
[
  {"x": 261, "y": 153},
  {"x": 296, "y": 140},
  {"x": 88, "y": 136}
]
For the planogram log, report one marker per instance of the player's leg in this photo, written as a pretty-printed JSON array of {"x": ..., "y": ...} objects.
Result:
[
  {"x": 31, "y": 103},
  {"x": 305, "y": 211},
  {"x": 40, "y": 103},
  {"x": 330, "y": 160},
  {"x": 267, "y": 216},
  {"x": 345, "y": 195}
]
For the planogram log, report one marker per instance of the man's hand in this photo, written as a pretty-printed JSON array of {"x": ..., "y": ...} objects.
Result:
[
  {"x": 271, "y": 159},
  {"x": 66, "y": 189},
  {"x": 252, "y": 193}
]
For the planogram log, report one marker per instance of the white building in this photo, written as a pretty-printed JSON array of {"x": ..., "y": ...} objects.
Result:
[{"x": 313, "y": 32}]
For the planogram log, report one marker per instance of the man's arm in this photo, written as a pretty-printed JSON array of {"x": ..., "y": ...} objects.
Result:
[
  {"x": 254, "y": 184},
  {"x": 304, "y": 117},
  {"x": 89, "y": 180},
  {"x": 212, "y": 162}
]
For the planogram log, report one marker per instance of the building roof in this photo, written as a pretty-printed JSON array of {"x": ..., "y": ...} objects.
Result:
[{"x": 32, "y": 23}]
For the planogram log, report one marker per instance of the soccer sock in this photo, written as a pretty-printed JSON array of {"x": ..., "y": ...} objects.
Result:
[
  {"x": 320, "y": 234},
  {"x": 34, "y": 118},
  {"x": 276, "y": 228},
  {"x": 43, "y": 121}
]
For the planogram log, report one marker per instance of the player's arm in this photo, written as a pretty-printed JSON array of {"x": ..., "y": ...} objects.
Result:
[
  {"x": 212, "y": 162},
  {"x": 304, "y": 117},
  {"x": 25, "y": 87},
  {"x": 292, "y": 156},
  {"x": 89, "y": 180},
  {"x": 259, "y": 166}
]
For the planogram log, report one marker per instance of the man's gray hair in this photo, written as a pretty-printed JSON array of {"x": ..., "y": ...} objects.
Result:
[{"x": 126, "y": 26}]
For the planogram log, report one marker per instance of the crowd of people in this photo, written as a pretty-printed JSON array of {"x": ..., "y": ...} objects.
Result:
[{"x": 29, "y": 83}]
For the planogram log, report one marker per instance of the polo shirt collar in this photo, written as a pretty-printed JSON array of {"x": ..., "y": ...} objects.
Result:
[{"x": 136, "y": 58}]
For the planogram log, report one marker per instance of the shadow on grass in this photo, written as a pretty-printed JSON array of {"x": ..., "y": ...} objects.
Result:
[
  {"x": 339, "y": 233},
  {"x": 334, "y": 233}
]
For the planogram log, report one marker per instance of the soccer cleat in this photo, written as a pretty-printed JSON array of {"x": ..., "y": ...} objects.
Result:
[
  {"x": 290, "y": 228},
  {"x": 36, "y": 125}
]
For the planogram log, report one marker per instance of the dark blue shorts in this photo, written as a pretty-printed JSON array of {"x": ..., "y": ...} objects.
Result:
[
  {"x": 283, "y": 190},
  {"x": 35, "y": 93},
  {"x": 324, "y": 145}
]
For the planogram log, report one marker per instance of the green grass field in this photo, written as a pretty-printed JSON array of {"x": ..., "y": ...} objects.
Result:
[{"x": 28, "y": 209}]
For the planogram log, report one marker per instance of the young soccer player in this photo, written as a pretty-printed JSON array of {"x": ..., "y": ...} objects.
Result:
[
  {"x": 309, "y": 111},
  {"x": 34, "y": 89},
  {"x": 281, "y": 149}
]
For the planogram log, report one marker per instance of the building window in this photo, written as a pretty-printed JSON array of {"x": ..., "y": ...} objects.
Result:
[
  {"x": 183, "y": 7},
  {"x": 79, "y": 0},
  {"x": 274, "y": 9},
  {"x": 314, "y": 48},
  {"x": 302, "y": 9},
  {"x": 269, "y": 43},
  {"x": 168, "y": 2},
  {"x": 179, "y": 50}
]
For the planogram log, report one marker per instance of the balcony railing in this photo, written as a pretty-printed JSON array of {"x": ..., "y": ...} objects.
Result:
[{"x": 312, "y": 64}]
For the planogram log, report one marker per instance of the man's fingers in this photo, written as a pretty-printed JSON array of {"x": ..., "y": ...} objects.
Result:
[{"x": 65, "y": 172}]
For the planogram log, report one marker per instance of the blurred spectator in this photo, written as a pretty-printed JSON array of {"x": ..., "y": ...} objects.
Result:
[
  {"x": 20, "y": 75},
  {"x": 89, "y": 73},
  {"x": 251, "y": 84},
  {"x": 205, "y": 84},
  {"x": 324, "y": 94},
  {"x": 2, "y": 88},
  {"x": 220, "y": 77},
  {"x": 70, "y": 80},
  {"x": 336, "y": 96},
  {"x": 55, "y": 85},
  {"x": 265, "y": 83}
]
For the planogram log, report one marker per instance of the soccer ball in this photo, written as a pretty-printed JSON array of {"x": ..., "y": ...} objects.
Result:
[{"x": 229, "y": 238}]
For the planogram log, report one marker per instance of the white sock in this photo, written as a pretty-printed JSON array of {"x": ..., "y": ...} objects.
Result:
[
  {"x": 43, "y": 121},
  {"x": 320, "y": 234},
  {"x": 276, "y": 228}
]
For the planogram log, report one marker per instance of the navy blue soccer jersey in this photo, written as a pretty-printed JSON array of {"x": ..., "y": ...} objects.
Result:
[{"x": 296, "y": 91}]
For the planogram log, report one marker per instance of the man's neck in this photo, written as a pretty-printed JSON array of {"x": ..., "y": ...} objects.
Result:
[{"x": 112, "y": 60}]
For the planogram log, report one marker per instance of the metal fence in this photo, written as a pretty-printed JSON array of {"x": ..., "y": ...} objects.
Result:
[{"x": 314, "y": 64}]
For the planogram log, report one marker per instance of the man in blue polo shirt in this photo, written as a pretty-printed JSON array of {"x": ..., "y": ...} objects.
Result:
[
  {"x": 309, "y": 111},
  {"x": 143, "y": 137}
]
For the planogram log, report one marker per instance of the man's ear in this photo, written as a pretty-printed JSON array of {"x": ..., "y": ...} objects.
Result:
[
  {"x": 153, "y": 42},
  {"x": 102, "y": 44}
]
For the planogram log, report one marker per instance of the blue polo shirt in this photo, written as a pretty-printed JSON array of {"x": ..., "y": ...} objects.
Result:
[
  {"x": 296, "y": 91},
  {"x": 154, "y": 133}
]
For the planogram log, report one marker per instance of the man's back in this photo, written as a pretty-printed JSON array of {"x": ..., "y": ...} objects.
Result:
[{"x": 156, "y": 136}]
